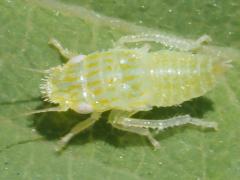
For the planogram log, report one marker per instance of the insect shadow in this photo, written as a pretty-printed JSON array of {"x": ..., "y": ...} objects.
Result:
[{"x": 53, "y": 125}]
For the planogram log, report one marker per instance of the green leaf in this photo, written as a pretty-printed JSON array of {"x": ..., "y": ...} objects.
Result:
[{"x": 102, "y": 152}]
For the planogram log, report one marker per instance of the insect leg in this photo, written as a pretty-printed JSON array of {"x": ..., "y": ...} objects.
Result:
[
  {"x": 115, "y": 119},
  {"x": 145, "y": 48},
  {"x": 53, "y": 109},
  {"x": 77, "y": 129},
  {"x": 64, "y": 52},
  {"x": 165, "y": 40},
  {"x": 171, "y": 122}
]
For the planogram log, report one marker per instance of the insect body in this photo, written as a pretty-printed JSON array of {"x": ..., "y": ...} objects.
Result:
[
  {"x": 130, "y": 80},
  {"x": 127, "y": 81}
]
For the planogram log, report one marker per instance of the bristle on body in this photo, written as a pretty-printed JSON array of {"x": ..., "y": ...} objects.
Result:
[{"x": 222, "y": 66}]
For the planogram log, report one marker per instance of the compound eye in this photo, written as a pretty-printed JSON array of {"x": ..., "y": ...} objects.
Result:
[
  {"x": 77, "y": 59},
  {"x": 83, "y": 108}
]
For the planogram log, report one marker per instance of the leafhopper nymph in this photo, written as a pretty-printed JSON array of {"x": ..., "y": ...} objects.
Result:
[{"x": 127, "y": 80}]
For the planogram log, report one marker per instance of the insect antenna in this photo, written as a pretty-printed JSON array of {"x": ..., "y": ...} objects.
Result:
[
  {"x": 52, "y": 109},
  {"x": 222, "y": 66},
  {"x": 227, "y": 63},
  {"x": 35, "y": 70}
]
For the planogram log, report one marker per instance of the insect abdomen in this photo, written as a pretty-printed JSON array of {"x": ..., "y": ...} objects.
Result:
[{"x": 181, "y": 76}]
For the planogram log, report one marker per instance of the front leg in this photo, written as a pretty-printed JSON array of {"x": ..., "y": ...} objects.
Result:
[
  {"x": 115, "y": 119},
  {"x": 69, "y": 56},
  {"x": 63, "y": 51},
  {"x": 79, "y": 127}
]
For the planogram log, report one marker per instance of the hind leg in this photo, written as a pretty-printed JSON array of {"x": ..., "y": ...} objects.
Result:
[
  {"x": 167, "y": 123},
  {"x": 165, "y": 40},
  {"x": 115, "y": 119},
  {"x": 141, "y": 126}
]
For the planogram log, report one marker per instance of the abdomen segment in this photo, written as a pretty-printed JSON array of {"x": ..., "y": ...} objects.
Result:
[{"x": 180, "y": 76}]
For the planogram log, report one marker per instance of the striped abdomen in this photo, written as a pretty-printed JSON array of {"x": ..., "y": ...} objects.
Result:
[{"x": 181, "y": 76}]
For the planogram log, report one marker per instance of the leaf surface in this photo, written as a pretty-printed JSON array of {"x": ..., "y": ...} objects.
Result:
[{"x": 27, "y": 143}]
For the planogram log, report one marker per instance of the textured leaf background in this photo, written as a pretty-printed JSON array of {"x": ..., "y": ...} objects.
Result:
[{"x": 27, "y": 143}]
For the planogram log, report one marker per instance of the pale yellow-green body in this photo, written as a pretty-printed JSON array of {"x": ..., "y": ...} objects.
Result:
[{"x": 132, "y": 80}]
